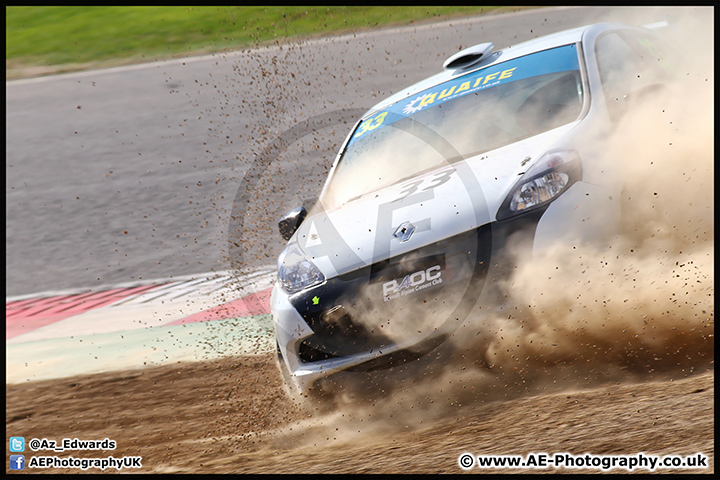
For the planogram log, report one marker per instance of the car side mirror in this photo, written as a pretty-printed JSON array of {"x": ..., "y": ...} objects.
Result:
[{"x": 290, "y": 222}]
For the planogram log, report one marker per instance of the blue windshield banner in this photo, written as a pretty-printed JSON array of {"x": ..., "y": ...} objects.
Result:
[{"x": 560, "y": 59}]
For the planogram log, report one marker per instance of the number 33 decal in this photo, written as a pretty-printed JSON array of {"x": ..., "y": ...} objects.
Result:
[
  {"x": 371, "y": 124},
  {"x": 437, "y": 180}
]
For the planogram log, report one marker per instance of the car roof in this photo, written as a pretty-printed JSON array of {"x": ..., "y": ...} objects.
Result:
[{"x": 535, "y": 45}]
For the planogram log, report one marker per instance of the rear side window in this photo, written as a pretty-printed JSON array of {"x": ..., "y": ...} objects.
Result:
[{"x": 630, "y": 62}]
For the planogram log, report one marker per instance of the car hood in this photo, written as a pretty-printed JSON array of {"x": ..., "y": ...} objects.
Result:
[{"x": 437, "y": 204}]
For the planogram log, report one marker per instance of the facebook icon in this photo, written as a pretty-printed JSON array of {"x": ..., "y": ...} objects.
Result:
[{"x": 17, "y": 462}]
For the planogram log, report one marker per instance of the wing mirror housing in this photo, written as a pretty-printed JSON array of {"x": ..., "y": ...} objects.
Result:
[{"x": 290, "y": 222}]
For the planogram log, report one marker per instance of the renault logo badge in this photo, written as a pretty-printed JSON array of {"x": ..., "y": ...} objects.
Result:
[{"x": 404, "y": 231}]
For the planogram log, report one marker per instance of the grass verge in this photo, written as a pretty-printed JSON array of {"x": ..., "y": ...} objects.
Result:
[{"x": 41, "y": 40}]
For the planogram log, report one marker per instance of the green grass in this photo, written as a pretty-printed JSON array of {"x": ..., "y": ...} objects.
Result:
[{"x": 70, "y": 38}]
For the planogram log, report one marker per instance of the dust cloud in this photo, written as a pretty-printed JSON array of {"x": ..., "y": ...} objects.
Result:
[{"x": 645, "y": 301}]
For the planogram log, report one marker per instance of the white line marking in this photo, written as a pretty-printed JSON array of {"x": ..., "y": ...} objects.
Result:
[{"x": 141, "y": 283}]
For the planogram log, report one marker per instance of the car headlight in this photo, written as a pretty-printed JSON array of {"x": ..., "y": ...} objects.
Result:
[
  {"x": 296, "y": 272},
  {"x": 542, "y": 183}
]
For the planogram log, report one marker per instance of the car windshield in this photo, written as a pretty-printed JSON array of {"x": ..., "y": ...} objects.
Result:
[{"x": 466, "y": 116}]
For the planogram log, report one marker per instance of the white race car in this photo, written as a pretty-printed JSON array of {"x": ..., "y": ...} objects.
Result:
[{"x": 436, "y": 187}]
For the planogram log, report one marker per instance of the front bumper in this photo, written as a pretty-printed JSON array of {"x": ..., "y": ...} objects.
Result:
[{"x": 381, "y": 315}]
